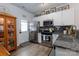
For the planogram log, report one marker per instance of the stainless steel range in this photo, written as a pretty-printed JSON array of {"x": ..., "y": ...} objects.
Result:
[{"x": 46, "y": 33}]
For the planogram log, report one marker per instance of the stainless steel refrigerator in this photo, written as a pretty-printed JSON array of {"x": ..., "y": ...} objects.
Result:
[{"x": 33, "y": 31}]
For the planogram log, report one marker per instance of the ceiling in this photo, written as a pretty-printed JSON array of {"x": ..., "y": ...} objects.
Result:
[{"x": 37, "y": 8}]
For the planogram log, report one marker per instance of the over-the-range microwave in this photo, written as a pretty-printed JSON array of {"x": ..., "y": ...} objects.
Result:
[{"x": 47, "y": 23}]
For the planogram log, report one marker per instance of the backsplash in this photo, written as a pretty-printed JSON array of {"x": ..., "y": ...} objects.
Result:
[{"x": 60, "y": 29}]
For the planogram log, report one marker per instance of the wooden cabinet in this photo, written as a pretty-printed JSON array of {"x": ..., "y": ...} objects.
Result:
[
  {"x": 8, "y": 31},
  {"x": 2, "y": 29},
  {"x": 3, "y": 51}
]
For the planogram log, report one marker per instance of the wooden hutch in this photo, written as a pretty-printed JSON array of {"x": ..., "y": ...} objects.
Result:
[{"x": 8, "y": 31}]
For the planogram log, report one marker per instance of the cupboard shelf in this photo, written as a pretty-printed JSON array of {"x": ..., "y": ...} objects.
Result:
[
  {"x": 1, "y": 24},
  {"x": 8, "y": 31}
]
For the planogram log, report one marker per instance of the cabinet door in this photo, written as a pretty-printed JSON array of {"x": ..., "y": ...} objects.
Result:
[
  {"x": 11, "y": 33},
  {"x": 44, "y": 18},
  {"x": 41, "y": 23},
  {"x": 55, "y": 36},
  {"x": 68, "y": 17},
  {"x": 39, "y": 37},
  {"x": 57, "y": 17},
  {"x": 2, "y": 29}
]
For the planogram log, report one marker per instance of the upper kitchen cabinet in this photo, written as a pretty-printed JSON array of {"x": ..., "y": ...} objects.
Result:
[
  {"x": 61, "y": 18},
  {"x": 43, "y": 18},
  {"x": 57, "y": 17},
  {"x": 68, "y": 17}
]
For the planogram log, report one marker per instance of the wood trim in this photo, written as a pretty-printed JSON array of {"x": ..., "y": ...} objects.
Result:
[
  {"x": 3, "y": 51},
  {"x": 7, "y": 14}
]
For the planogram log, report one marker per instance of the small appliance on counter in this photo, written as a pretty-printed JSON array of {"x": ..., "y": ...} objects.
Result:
[
  {"x": 70, "y": 30},
  {"x": 64, "y": 32}
]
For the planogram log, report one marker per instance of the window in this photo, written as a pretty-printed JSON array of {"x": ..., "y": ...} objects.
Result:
[{"x": 24, "y": 26}]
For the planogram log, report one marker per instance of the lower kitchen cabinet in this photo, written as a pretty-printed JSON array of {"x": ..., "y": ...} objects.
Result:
[
  {"x": 39, "y": 38},
  {"x": 55, "y": 36}
]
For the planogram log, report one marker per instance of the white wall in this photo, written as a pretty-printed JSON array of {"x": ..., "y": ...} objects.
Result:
[{"x": 18, "y": 13}]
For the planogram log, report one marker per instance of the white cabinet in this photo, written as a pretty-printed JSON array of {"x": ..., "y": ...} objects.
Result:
[
  {"x": 39, "y": 37},
  {"x": 41, "y": 23},
  {"x": 44, "y": 18},
  {"x": 65, "y": 17},
  {"x": 57, "y": 17},
  {"x": 68, "y": 17},
  {"x": 55, "y": 36}
]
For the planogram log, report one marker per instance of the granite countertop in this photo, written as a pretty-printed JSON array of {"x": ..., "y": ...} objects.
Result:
[{"x": 67, "y": 41}]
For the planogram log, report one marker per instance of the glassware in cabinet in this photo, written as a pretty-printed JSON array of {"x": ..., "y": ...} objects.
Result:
[{"x": 11, "y": 43}]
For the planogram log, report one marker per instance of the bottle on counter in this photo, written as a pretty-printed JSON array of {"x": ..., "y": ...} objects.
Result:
[{"x": 64, "y": 32}]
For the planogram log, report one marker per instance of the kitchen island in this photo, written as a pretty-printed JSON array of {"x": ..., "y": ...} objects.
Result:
[{"x": 67, "y": 42}]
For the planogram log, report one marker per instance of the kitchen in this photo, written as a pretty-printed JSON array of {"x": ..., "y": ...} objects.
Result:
[
  {"x": 53, "y": 28},
  {"x": 64, "y": 30}
]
